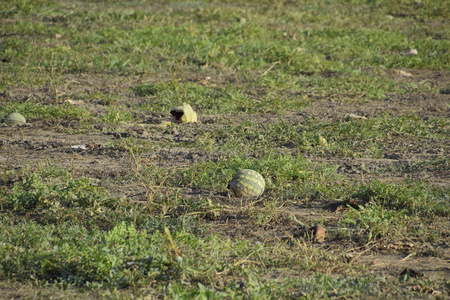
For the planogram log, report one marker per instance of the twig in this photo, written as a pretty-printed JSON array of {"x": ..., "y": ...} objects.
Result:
[
  {"x": 270, "y": 68},
  {"x": 361, "y": 253}
]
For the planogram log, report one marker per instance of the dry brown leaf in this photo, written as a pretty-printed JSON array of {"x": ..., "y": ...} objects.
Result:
[
  {"x": 424, "y": 289},
  {"x": 205, "y": 81},
  {"x": 403, "y": 73},
  {"x": 319, "y": 233},
  {"x": 356, "y": 117},
  {"x": 74, "y": 102}
]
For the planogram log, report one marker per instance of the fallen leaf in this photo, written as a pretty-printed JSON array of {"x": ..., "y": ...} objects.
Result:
[
  {"x": 403, "y": 73},
  {"x": 356, "y": 117},
  {"x": 74, "y": 102},
  {"x": 205, "y": 81},
  {"x": 424, "y": 289},
  {"x": 78, "y": 147},
  {"x": 319, "y": 233}
]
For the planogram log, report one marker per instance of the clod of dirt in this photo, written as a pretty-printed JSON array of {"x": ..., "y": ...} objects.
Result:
[
  {"x": 15, "y": 119},
  {"x": 319, "y": 233},
  {"x": 183, "y": 114},
  {"x": 445, "y": 91},
  {"x": 411, "y": 273}
]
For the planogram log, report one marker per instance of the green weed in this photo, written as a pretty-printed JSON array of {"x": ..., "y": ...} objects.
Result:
[
  {"x": 417, "y": 198},
  {"x": 33, "y": 111},
  {"x": 374, "y": 222},
  {"x": 47, "y": 188},
  {"x": 116, "y": 116},
  {"x": 286, "y": 175}
]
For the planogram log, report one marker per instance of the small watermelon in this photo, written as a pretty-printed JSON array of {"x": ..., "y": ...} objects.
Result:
[
  {"x": 247, "y": 183},
  {"x": 15, "y": 119}
]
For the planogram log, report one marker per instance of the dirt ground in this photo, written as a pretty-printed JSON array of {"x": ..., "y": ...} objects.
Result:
[{"x": 39, "y": 141}]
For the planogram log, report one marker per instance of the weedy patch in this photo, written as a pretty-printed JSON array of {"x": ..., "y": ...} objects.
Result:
[
  {"x": 48, "y": 188},
  {"x": 415, "y": 198},
  {"x": 36, "y": 111},
  {"x": 115, "y": 116},
  {"x": 373, "y": 222},
  {"x": 284, "y": 174}
]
